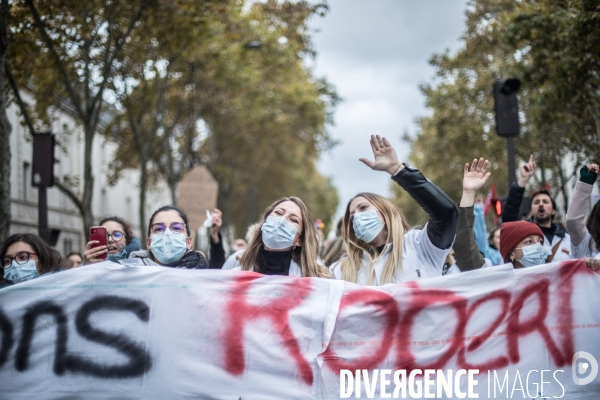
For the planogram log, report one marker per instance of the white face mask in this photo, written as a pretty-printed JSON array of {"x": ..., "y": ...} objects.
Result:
[
  {"x": 366, "y": 225},
  {"x": 17, "y": 273},
  {"x": 168, "y": 246},
  {"x": 533, "y": 254},
  {"x": 278, "y": 233}
]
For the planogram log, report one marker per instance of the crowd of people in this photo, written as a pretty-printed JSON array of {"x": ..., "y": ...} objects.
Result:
[{"x": 374, "y": 244}]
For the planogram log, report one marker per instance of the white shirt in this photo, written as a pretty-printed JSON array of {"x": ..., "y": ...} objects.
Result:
[
  {"x": 563, "y": 252},
  {"x": 420, "y": 259},
  {"x": 583, "y": 250},
  {"x": 232, "y": 261}
]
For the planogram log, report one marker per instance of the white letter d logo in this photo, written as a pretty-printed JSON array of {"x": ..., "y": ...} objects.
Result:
[{"x": 582, "y": 367}]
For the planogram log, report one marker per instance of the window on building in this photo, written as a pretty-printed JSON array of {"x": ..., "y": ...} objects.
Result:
[
  {"x": 26, "y": 178},
  {"x": 67, "y": 246}
]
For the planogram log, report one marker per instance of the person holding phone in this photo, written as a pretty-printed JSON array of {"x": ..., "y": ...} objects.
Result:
[
  {"x": 169, "y": 241},
  {"x": 120, "y": 242},
  {"x": 26, "y": 256}
]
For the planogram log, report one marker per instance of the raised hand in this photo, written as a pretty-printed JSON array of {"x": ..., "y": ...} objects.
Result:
[
  {"x": 217, "y": 221},
  {"x": 385, "y": 156},
  {"x": 593, "y": 167},
  {"x": 526, "y": 172},
  {"x": 473, "y": 179}
]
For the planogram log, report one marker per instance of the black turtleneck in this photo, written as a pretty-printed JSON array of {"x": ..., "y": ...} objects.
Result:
[
  {"x": 275, "y": 262},
  {"x": 548, "y": 232}
]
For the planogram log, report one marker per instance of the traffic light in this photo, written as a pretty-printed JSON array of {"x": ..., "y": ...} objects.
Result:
[
  {"x": 497, "y": 206},
  {"x": 42, "y": 160},
  {"x": 506, "y": 107}
]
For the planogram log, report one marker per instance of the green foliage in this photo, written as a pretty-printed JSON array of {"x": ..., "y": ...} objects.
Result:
[{"x": 552, "y": 47}]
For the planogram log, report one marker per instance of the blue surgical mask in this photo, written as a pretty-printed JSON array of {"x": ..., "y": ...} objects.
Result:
[
  {"x": 168, "y": 247},
  {"x": 17, "y": 273},
  {"x": 533, "y": 255},
  {"x": 278, "y": 233},
  {"x": 366, "y": 225}
]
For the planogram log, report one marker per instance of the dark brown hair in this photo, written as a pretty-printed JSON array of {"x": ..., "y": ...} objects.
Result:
[
  {"x": 49, "y": 259},
  {"x": 179, "y": 211},
  {"x": 126, "y": 228}
]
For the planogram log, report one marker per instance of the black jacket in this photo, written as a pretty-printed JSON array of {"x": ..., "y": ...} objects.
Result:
[{"x": 443, "y": 214}]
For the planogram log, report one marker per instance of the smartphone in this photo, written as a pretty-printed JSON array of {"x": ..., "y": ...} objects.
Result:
[{"x": 99, "y": 233}]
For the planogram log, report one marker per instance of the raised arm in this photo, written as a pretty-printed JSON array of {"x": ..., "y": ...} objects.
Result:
[
  {"x": 443, "y": 213},
  {"x": 466, "y": 250},
  {"x": 217, "y": 251},
  {"x": 580, "y": 202},
  {"x": 512, "y": 207}
]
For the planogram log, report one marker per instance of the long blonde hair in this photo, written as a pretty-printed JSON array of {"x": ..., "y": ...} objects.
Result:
[
  {"x": 396, "y": 227},
  {"x": 306, "y": 255}
]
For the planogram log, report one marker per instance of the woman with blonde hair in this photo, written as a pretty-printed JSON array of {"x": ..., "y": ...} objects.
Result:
[
  {"x": 286, "y": 242},
  {"x": 381, "y": 247}
]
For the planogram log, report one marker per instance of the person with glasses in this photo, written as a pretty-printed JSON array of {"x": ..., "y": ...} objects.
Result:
[
  {"x": 26, "y": 256},
  {"x": 380, "y": 245},
  {"x": 169, "y": 241},
  {"x": 119, "y": 244}
]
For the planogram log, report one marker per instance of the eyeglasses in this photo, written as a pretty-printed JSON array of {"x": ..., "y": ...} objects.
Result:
[
  {"x": 116, "y": 235},
  {"x": 20, "y": 258},
  {"x": 160, "y": 228}
]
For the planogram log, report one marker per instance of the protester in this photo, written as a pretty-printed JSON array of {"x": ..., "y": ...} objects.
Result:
[
  {"x": 585, "y": 237},
  {"x": 334, "y": 248},
  {"x": 66, "y": 263},
  {"x": 379, "y": 245},
  {"x": 76, "y": 258},
  {"x": 216, "y": 250},
  {"x": 169, "y": 241},
  {"x": 450, "y": 265},
  {"x": 120, "y": 242},
  {"x": 238, "y": 244},
  {"x": 522, "y": 244},
  {"x": 468, "y": 256},
  {"x": 26, "y": 256},
  {"x": 233, "y": 260},
  {"x": 286, "y": 242},
  {"x": 542, "y": 210}
]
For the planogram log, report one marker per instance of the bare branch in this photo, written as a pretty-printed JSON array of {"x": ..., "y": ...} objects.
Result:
[
  {"x": 57, "y": 61},
  {"x": 70, "y": 194},
  {"x": 20, "y": 102}
]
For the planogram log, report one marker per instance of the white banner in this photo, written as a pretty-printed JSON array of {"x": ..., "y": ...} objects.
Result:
[{"x": 109, "y": 331}]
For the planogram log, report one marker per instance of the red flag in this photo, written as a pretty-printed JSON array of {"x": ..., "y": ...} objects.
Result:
[{"x": 487, "y": 204}]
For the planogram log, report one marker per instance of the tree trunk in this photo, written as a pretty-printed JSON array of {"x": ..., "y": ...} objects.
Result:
[
  {"x": 142, "y": 209},
  {"x": 88, "y": 179},
  {"x": 5, "y": 129}
]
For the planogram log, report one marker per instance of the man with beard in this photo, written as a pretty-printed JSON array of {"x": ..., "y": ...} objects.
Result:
[{"x": 542, "y": 211}]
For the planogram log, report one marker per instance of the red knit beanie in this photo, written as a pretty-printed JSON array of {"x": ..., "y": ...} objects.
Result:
[{"x": 511, "y": 233}]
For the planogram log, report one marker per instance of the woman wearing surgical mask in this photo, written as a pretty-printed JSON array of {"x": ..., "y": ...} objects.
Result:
[
  {"x": 120, "y": 242},
  {"x": 380, "y": 247},
  {"x": 25, "y": 257},
  {"x": 286, "y": 243},
  {"x": 522, "y": 244},
  {"x": 169, "y": 241}
]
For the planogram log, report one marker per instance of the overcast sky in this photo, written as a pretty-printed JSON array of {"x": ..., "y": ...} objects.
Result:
[{"x": 376, "y": 54}]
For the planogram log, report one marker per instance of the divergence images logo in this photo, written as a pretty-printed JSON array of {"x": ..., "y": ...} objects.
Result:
[{"x": 581, "y": 367}]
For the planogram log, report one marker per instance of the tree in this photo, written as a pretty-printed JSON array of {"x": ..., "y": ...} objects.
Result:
[
  {"x": 78, "y": 47},
  {"x": 5, "y": 127},
  {"x": 267, "y": 114},
  {"x": 551, "y": 46}
]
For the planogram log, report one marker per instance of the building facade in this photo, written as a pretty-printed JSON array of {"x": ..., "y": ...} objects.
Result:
[{"x": 121, "y": 199}]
